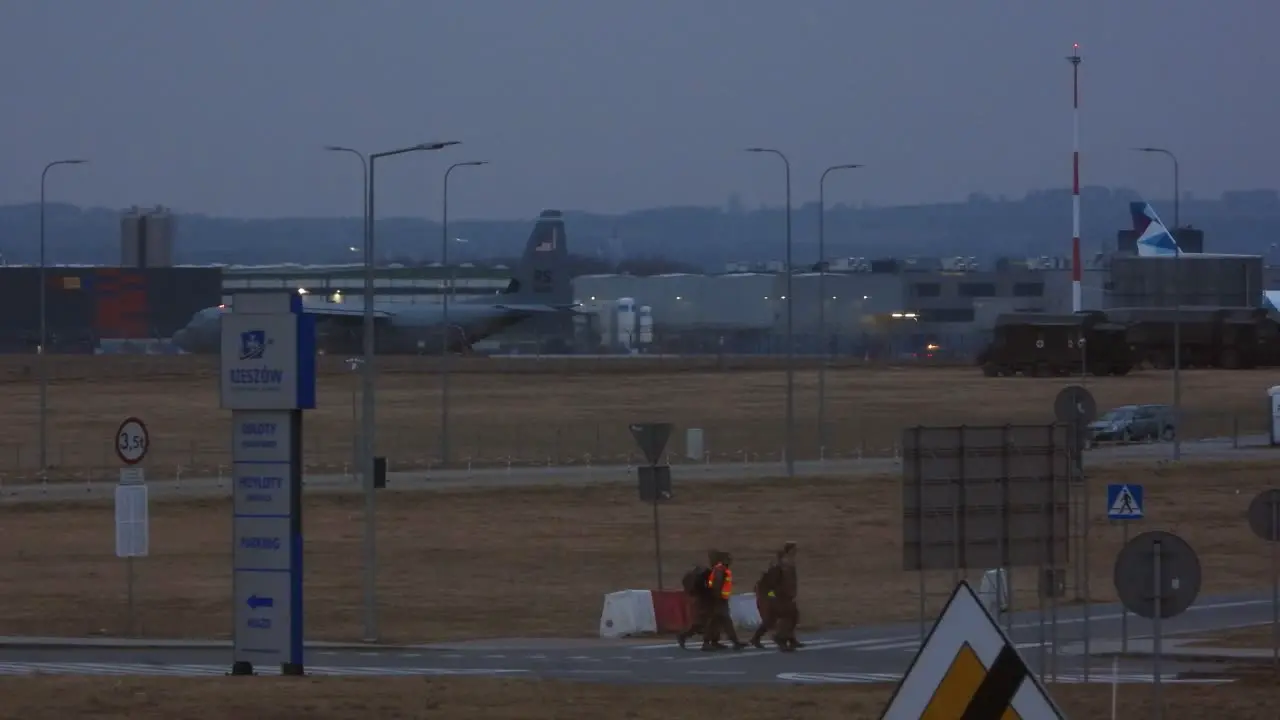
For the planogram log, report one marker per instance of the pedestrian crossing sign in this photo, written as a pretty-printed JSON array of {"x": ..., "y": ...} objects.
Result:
[
  {"x": 1124, "y": 502},
  {"x": 968, "y": 668}
]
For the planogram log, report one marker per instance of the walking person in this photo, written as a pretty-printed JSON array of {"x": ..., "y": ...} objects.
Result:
[
  {"x": 720, "y": 583},
  {"x": 697, "y": 587},
  {"x": 776, "y": 598}
]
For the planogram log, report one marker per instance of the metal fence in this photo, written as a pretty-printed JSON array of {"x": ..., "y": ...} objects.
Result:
[{"x": 330, "y": 450}]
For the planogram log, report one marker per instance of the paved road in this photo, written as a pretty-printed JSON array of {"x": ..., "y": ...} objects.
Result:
[
  {"x": 1211, "y": 450},
  {"x": 861, "y": 655}
]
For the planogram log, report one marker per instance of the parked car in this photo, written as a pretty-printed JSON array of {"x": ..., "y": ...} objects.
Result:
[{"x": 1128, "y": 423}]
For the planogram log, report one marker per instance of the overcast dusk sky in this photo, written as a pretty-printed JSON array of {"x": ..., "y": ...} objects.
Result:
[{"x": 222, "y": 106}]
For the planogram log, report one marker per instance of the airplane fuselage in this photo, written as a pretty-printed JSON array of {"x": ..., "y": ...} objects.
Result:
[{"x": 398, "y": 327}]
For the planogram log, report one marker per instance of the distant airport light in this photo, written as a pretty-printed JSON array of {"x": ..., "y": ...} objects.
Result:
[{"x": 677, "y": 297}]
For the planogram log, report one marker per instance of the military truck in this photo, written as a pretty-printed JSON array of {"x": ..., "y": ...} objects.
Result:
[
  {"x": 1045, "y": 345},
  {"x": 1211, "y": 337}
]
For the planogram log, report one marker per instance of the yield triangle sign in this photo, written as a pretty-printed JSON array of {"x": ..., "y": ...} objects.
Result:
[{"x": 652, "y": 439}]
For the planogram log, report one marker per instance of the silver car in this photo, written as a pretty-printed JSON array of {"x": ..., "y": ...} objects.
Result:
[{"x": 1128, "y": 423}]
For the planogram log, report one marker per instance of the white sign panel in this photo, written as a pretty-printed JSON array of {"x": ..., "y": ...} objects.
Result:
[
  {"x": 259, "y": 361},
  {"x": 133, "y": 533},
  {"x": 267, "y": 573},
  {"x": 1275, "y": 414}
]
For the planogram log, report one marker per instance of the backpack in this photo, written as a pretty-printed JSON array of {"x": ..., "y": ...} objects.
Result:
[
  {"x": 768, "y": 581},
  {"x": 695, "y": 581}
]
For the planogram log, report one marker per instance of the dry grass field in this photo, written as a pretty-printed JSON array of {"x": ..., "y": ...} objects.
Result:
[
  {"x": 538, "y": 412},
  {"x": 530, "y": 562},
  {"x": 57, "y": 698},
  {"x": 1256, "y": 636}
]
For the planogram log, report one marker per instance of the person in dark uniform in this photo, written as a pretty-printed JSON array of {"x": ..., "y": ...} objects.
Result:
[
  {"x": 720, "y": 583},
  {"x": 766, "y": 596},
  {"x": 776, "y": 599}
]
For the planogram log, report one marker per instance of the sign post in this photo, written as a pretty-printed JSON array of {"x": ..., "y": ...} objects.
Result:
[
  {"x": 1157, "y": 576},
  {"x": 1264, "y": 520},
  {"x": 267, "y": 378},
  {"x": 133, "y": 533},
  {"x": 1124, "y": 503},
  {"x": 654, "y": 480}
]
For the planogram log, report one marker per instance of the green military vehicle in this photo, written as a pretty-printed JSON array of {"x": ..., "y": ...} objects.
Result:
[{"x": 1043, "y": 345}]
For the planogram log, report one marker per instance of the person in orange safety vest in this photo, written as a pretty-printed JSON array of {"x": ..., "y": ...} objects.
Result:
[{"x": 720, "y": 583}]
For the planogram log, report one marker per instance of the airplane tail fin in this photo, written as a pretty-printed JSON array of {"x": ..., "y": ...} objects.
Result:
[
  {"x": 542, "y": 277},
  {"x": 1154, "y": 239}
]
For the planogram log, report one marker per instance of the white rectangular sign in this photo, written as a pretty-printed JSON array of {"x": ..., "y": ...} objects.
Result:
[
  {"x": 1275, "y": 418},
  {"x": 133, "y": 532},
  {"x": 259, "y": 368},
  {"x": 265, "y": 562}
]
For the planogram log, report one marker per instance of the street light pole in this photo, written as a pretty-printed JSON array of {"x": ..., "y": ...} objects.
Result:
[
  {"x": 822, "y": 305},
  {"x": 355, "y": 363},
  {"x": 790, "y": 441},
  {"x": 42, "y": 348},
  {"x": 446, "y": 360},
  {"x": 1177, "y": 310},
  {"x": 367, "y": 446}
]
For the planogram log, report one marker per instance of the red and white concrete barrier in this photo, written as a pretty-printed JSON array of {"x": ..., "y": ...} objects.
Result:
[{"x": 628, "y": 613}]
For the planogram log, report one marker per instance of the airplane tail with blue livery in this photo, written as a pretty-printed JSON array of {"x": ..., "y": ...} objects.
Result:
[{"x": 1154, "y": 239}]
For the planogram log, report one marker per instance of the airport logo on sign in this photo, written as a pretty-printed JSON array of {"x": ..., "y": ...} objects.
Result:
[{"x": 252, "y": 344}]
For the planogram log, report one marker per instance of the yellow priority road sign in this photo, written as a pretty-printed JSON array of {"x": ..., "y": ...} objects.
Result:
[{"x": 968, "y": 669}]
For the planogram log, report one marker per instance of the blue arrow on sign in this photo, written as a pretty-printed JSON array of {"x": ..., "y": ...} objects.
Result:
[{"x": 256, "y": 602}]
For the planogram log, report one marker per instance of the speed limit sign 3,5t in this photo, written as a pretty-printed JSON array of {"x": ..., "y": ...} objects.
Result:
[{"x": 132, "y": 441}]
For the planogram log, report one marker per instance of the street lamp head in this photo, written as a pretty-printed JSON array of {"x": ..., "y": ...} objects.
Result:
[
  {"x": 758, "y": 149},
  {"x": 477, "y": 162},
  {"x": 1149, "y": 149},
  {"x": 74, "y": 162},
  {"x": 338, "y": 148},
  {"x": 436, "y": 145}
]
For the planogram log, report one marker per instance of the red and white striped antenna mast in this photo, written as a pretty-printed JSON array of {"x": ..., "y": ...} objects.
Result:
[{"x": 1076, "y": 270}]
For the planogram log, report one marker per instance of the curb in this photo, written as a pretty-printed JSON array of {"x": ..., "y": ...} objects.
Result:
[
  {"x": 39, "y": 643},
  {"x": 1204, "y": 657}
]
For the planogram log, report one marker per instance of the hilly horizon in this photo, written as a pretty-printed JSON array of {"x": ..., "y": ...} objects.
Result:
[{"x": 697, "y": 237}]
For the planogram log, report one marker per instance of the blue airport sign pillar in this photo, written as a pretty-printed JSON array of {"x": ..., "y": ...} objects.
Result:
[{"x": 266, "y": 379}]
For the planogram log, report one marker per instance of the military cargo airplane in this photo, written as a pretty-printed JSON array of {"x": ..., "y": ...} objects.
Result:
[{"x": 540, "y": 286}]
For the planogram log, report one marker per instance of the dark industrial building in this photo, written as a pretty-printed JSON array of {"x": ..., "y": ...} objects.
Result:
[
  {"x": 1188, "y": 280},
  {"x": 89, "y": 305}
]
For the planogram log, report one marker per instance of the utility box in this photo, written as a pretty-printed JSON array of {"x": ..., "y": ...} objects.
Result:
[
  {"x": 1273, "y": 412},
  {"x": 379, "y": 472},
  {"x": 693, "y": 448}
]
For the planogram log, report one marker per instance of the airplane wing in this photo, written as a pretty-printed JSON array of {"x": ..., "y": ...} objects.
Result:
[
  {"x": 342, "y": 312},
  {"x": 521, "y": 308},
  {"x": 345, "y": 316}
]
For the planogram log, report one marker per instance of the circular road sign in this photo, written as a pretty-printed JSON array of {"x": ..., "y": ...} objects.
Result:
[
  {"x": 1135, "y": 580},
  {"x": 1264, "y": 515},
  {"x": 132, "y": 441},
  {"x": 1075, "y": 404}
]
